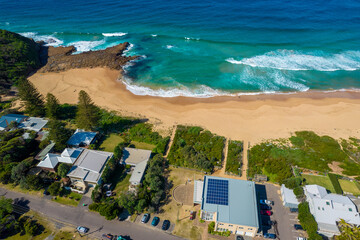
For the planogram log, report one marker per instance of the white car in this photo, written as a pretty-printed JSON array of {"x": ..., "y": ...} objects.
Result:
[
  {"x": 266, "y": 202},
  {"x": 301, "y": 238},
  {"x": 82, "y": 229}
]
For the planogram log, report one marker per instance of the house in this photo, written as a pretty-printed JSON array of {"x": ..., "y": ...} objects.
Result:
[
  {"x": 51, "y": 160},
  {"x": 9, "y": 118},
  {"x": 328, "y": 209},
  {"x": 33, "y": 124},
  {"x": 231, "y": 204},
  {"x": 289, "y": 199},
  {"x": 88, "y": 167},
  {"x": 81, "y": 138},
  {"x": 138, "y": 159}
]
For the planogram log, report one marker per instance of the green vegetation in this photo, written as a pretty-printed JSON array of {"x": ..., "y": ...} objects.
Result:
[
  {"x": 306, "y": 150},
  {"x": 111, "y": 142},
  {"x": 319, "y": 180},
  {"x": 54, "y": 189},
  {"x": 234, "y": 158},
  {"x": 335, "y": 182},
  {"x": 308, "y": 222},
  {"x": 18, "y": 57},
  {"x": 68, "y": 198},
  {"x": 348, "y": 231},
  {"x": 34, "y": 101},
  {"x": 63, "y": 169},
  {"x": 52, "y": 106},
  {"x": 196, "y": 148},
  {"x": 211, "y": 230},
  {"x": 59, "y": 134},
  {"x": 87, "y": 115},
  {"x": 349, "y": 187}
]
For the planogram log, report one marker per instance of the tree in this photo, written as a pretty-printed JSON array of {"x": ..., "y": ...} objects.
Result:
[
  {"x": 59, "y": 134},
  {"x": 6, "y": 206},
  {"x": 18, "y": 171},
  {"x": 348, "y": 231},
  {"x": 63, "y": 169},
  {"x": 87, "y": 115},
  {"x": 52, "y": 106},
  {"x": 8, "y": 222},
  {"x": 34, "y": 103},
  {"x": 33, "y": 182},
  {"x": 128, "y": 201},
  {"x": 54, "y": 188},
  {"x": 109, "y": 210},
  {"x": 31, "y": 227}
]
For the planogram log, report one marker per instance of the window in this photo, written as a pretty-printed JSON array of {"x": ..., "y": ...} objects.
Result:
[
  {"x": 319, "y": 208},
  {"x": 221, "y": 224},
  {"x": 323, "y": 209},
  {"x": 328, "y": 203},
  {"x": 230, "y": 225},
  {"x": 250, "y": 229},
  {"x": 241, "y": 228},
  {"x": 350, "y": 209}
]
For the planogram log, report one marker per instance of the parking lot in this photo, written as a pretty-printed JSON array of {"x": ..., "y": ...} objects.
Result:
[
  {"x": 284, "y": 229},
  {"x": 158, "y": 226}
]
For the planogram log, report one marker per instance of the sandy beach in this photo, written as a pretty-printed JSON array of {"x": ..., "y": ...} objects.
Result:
[{"x": 250, "y": 118}]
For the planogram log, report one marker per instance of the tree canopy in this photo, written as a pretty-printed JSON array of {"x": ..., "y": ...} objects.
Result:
[
  {"x": 87, "y": 115},
  {"x": 34, "y": 101},
  {"x": 52, "y": 106},
  {"x": 59, "y": 134}
]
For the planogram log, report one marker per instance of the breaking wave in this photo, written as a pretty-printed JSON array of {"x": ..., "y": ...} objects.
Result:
[
  {"x": 116, "y": 34},
  {"x": 49, "y": 40},
  {"x": 85, "y": 46},
  {"x": 298, "y": 61}
]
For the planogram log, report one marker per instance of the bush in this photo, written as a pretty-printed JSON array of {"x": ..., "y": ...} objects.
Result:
[
  {"x": 335, "y": 182},
  {"x": 299, "y": 192},
  {"x": 63, "y": 169},
  {"x": 308, "y": 222},
  {"x": 293, "y": 182},
  {"x": 94, "y": 206},
  {"x": 234, "y": 158},
  {"x": 54, "y": 189},
  {"x": 109, "y": 210},
  {"x": 31, "y": 227}
]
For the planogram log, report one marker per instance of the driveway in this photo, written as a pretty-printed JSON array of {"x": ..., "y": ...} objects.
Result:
[
  {"x": 284, "y": 218},
  {"x": 80, "y": 216}
]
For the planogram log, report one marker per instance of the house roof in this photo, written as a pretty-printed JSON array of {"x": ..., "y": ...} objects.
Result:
[
  {"x": 330, "y": 208},
  {"x": 198, "y": 191},
  {"x": 237, "y": 206},
  {"x": 90, "y": 165},
  {"x": 138, "y": 172},
  {"x": 67, "y": 156},
  {"x": 50, "y": 161},
  {"x": 133, "y": 156},
  {"x": 81, "y": 137},
  {"x": 7, "y": 119},
  {"x": 45, "y": 151},
  {"x": 33, "y": 123},
  {"x": 289, "y": 197}
]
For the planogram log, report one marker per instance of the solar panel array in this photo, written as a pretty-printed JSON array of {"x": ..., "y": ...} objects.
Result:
[{"x": 217, "y": 191}]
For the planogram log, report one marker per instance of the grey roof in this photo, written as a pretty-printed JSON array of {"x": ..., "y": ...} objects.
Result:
[
  {"x": 133, "y": 156},
  {"x": 81, "y": 137},
  {"x": 7, "y": 119},
  {"x": 289, "y": 198},
  {"x": 138, "y": 172},
  {"x": 198, "y": 190},
  {"x": 45, "y": 151},
  {"x": 33, "y": 123},
  {"x": 90, "y": 165},
  {"x": 242, "y": 204},
  {"x": 50, "y": 161}
]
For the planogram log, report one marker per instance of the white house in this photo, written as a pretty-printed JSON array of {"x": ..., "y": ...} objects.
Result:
[
  {"x": 50, "y": 161},
  {"x": 328, "y": 209}
]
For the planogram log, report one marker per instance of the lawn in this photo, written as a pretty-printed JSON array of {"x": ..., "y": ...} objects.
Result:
[
  {"x": 319, "y": 180},
  {"x": 111, "y": 142},
  {"x": 123, "y": 184},
  {"x": 72, "y": 199},
  {"x": 349, "y": 187},
  {"x": 17, "y": 188},
  {"x": 142, "y": 145}
]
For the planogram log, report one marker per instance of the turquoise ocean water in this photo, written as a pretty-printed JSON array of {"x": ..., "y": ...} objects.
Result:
[{"x": 208, "y": 48}]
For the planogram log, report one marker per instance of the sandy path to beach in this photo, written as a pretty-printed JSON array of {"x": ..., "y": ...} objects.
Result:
[{"x": 253, "y": 118}]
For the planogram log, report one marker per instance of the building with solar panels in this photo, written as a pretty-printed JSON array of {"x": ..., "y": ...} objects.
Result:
[{"x": 231, "y": 204}]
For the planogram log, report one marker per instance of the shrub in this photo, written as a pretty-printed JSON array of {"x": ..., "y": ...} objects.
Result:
[
  {"x": 293, "y": 182},
  {"x": 308, "y": 222},
  {"x": 234, "y": 158},
  {"x": 54, "y": 189},
  {"x": 94, "y": 206},
  {"x": 299, "y": 192},
  {"x": 31, "y": 227},
  {"x": 63, "y": 169},
  {"x": 109, "y": 210},
  {"x": 335, "y": 182}
]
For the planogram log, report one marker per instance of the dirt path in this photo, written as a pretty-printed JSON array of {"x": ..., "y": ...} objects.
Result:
[
  {"x": 171, "y": 141},
  {"x": 245, "y": 161}
]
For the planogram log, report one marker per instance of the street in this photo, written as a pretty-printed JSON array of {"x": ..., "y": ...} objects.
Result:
[{"x": 81, "y": 216}]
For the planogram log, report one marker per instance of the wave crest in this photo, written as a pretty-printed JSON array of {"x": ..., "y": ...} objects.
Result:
[
  {"x": 115, "y": 34},
  {"x": 49, "y": 40},
  {"x": 298, "y": 61},
  {"x": 85, "y": 46}
]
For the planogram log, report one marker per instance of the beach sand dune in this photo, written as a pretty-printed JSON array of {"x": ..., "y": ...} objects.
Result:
[{"x": 250, "y": 118}]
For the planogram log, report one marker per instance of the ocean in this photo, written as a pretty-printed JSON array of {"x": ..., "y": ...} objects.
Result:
[{"x": 199, "y": 48}]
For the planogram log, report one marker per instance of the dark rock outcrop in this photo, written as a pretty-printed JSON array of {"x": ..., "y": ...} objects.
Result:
[{"x": 56, "y": 59}]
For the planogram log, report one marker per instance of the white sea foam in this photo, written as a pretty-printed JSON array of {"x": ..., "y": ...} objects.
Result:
[
  {"x": 116, "y": 34},
  {"x": 128, "y": 49},
  {"x": 49, "y": 40},
  {"x": 298, "y": 61},
  {"x": 170, "y": 46},
  {"x": 154, "y": 35},
  {"x": 190, "y": 38},
  {"x": 85, "y": 46}
]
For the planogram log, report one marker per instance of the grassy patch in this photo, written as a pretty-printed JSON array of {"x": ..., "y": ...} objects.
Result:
[
  {"x": 72, "y": 199},
  {"x": 234, "y": 158},
  {"x": 123, "y": 184},
  {"x": 111, "y": 142},
  {"x": 17, "y": 188},
  {"x": 349, "y": 187},
  {"x": 319, "y": 180},
  {"x": 143, "y": 145}
]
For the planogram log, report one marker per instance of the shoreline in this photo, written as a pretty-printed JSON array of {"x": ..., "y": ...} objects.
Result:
[{"x": 252, "y": 118}]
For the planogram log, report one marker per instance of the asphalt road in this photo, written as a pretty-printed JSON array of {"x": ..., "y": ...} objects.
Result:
[{"x": 81, "y": 216}]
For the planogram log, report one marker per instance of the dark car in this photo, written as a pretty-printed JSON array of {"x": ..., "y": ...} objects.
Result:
[
  {"x": 265, "y": 207},
  {"x": 270, "y": 235},
  {"x": 298, "y": 227},
  {"x": 145, "y": 218},
  {"x": 166, "y": 225},
  {"x": 268, "y": 223},
  {"x": 46, "y": 192},
  {"x": 239, "y": 238},
  {"x": 155, "y": 221},
  {"x": 107, "y": 236}
]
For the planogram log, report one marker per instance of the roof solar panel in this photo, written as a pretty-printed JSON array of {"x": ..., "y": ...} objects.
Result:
[{"x": 217, "y": 191}]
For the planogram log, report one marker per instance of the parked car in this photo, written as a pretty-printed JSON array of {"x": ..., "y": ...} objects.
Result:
[
  {"x": 239, "y": 237},
  {"x": 301, "y": 238},
  {"x": 270, "y": 235},
  {"x": 268, "y": 223},
  {"x": 120, "y": 238},
  {"x": 298, "y": 227},
  {"x": 46, "y": 192},
  {"x": 265, "y": 207},
  {"x": 192, "y": 215},
  {"x": 145, "y": 218},
  {"x": 266, "y": 202},
  {"x": 166, "y": 225},
  {"x": 155, "y": 221},
  {"x": 82, "y": 229},
  {"x": 107, "y": 236},
  {"x": 266, "y": 212}
]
